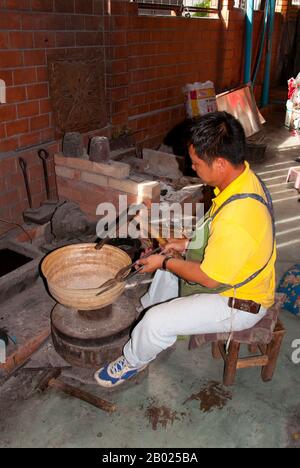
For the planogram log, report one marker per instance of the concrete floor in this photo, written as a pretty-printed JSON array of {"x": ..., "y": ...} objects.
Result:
[{"x": 181, "y": 403}]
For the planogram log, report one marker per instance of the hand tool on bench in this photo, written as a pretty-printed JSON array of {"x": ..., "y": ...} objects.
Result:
[
  {"x": 44, "y": 156},
  {"x": 50, "y": 379},
  {"x": 44, "y": 213},
  {"x": 23, "y": 166}
]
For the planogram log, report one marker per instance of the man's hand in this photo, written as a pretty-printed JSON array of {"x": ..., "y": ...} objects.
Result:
[
  {"x": 179, "y": 245},
  {"x": 151, "y": 264}
]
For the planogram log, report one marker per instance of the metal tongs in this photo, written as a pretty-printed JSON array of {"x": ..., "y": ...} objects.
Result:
[{"x": 122, "y": 275}]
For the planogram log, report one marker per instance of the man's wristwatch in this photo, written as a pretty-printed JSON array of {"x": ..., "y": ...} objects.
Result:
[{"x": 166, "y": 259}]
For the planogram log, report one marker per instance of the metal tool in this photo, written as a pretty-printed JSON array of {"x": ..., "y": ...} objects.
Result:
[
  {"x": 50, "y": 379},
  {"x": 120, "y": 219},
  {"x": 23, "y": 165},
  {"x": 44, "y": 156},
  {"x": 121, "y": 276}
]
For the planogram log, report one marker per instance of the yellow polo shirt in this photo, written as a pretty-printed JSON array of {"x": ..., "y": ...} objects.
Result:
[{"x": 240, "y": 242}]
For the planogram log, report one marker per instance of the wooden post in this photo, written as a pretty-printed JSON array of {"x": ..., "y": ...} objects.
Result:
[
  {"x": 231, "y": 363},
  {"x": 216, "y": 353},
  {"x": 273, "y": 350}
]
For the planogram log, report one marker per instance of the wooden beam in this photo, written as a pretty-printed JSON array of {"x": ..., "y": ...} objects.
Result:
[
  {"x": 253, "y": 361},
  {"x": 22, "y": 353}
]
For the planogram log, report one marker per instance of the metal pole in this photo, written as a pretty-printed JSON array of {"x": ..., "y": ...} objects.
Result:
[
  {"x": 266, "y": 84},
  {"x": 249, "y": 36}
]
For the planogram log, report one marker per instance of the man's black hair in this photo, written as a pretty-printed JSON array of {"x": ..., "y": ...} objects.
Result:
[{"x": 218, "y": 134}]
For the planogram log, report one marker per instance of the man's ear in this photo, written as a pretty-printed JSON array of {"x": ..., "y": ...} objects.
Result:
[{"x": 221, "y": 164}]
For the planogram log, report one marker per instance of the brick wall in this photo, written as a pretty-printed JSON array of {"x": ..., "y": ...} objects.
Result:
[
  {"x": 31, "y": 31},
  {"x": 148, "y": 61},
  {"x": 153, "y": 57}
]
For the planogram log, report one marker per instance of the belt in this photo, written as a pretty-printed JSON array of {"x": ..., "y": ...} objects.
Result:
[{"x": 243, "y": 304}]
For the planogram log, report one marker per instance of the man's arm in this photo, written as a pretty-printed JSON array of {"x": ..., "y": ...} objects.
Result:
[{"x": 189, "y": 271}]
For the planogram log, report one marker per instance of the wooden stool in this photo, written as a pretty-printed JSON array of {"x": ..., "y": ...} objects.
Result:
[
  {"x": 264, "y": 339},
  {"x": 267, "y": 358}
]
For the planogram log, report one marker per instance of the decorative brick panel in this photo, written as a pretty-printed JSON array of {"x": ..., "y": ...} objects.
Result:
[{"x": 31, "y": 31}]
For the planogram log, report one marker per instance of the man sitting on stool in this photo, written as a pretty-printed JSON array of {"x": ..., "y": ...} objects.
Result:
[{"x": 227, "y": 280}]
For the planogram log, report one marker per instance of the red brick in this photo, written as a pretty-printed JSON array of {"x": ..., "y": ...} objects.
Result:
[
  {"x": 28, "y": 109},
  {"x": 9, "y": 20},
  {"x": 42, "y": 5},
  {"x": 93, "y": 23},
  {"x": 7, "y": 76},
  {"x": 7, "y": 113},
  {"x": 84, "y": 6},
  {"x": 44, "y": 39},
  {"x": 35, "y": 173},
  {"x": 29, "y": 139},
  {"x": 4, "y": 42},
  {"x": 37, "y": 91},
  {"x": 64, "y": 6},
  {"x": 36, "y": 22},
  {"x": 34, "y": 57},
  {"x": 42, "y": 74},
  {"x": 10, "y": 59},
  {"x": 48, "y": 134},
  {"x": 45, "y": 106},
  {"x": 98, "y": 7},
  {"x": 65, "y": 39},
  {"x": 17, "y": 127},
  {"x": 8, "y": 167},
  {"x": 2, "y": 132},
  {"x": 15, "y": 94},
  {"x": 18, "y": 4},
  {"x": 40, "y": 122},
  {"x": 21, "y": 40},
  {"x": 9, "y": 198},
  {"x": 24, "y": 76},
  {"x": 2, "y": 184},
  {"x": 75, "y": 22},
  {"x": 88, "y": 38},
  {"x": 8, "y": 145},
  {"x": 16, "y": 179}
]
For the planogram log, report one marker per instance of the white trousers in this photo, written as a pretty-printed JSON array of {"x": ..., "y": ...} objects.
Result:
[{"x": 201, "y": 313}]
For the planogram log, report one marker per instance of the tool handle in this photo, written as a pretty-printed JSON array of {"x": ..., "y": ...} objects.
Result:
[
  {"x": 98, "y": 402},
  {"x": 44, "y": 155},
  {"x": 23, "y": 165}
]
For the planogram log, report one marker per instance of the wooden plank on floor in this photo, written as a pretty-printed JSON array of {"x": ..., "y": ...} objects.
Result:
[{"x": 18, "y": 357}]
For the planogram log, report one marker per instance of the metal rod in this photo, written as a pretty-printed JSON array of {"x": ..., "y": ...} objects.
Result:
[
  {"x": 266, "y": 84},
  {"x": 44, "y": 156},
  {"x": 262, "y": 41},
  {"x": 23, "y": 166},
  {"x": 249, "y": 37}
]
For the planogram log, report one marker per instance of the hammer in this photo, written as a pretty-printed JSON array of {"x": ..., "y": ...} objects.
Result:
[{"x": 50, "y": 379}]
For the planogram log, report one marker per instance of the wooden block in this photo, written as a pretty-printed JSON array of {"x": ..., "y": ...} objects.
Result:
[
  {"x": 96, "y": 179},
  {"x": 115, "y": 169},
  {"x": 23, "y": 352}
]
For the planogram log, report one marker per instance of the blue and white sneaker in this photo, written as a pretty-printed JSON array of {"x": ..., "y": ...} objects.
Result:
[{"x": 116, "y": 373}]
